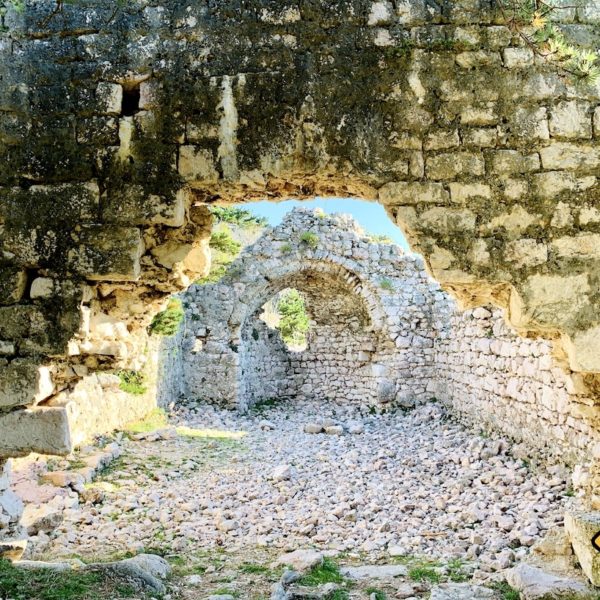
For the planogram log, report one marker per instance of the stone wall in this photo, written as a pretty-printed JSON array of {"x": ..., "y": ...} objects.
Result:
[
  {"x": 119, "y": 122},
  {"x": 372, "y": 310},
  {"x": 495, "y": 380}
]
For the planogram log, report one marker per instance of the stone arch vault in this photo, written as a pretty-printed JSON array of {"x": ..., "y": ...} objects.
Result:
[{"x": 119, "y": 123}]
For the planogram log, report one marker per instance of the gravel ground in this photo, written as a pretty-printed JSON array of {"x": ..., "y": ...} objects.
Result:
[{"x": 413, "y": 483}]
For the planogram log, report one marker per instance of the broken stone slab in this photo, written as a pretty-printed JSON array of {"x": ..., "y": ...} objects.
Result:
[
  {"x": 44, "y": 430},
  {"x": 535, "y": 584},
  {"x": 582, "y": 526},
  {"x": 374, "y": 572},
  {"x": 13, "y": 549},
  {"x": 334, "y": 430},
  {"x": 23, "y": 383},
  {"x": 45, "y": 517},
  {"x": 461, "y": 591},
  {"x": 301, "y": 560}
]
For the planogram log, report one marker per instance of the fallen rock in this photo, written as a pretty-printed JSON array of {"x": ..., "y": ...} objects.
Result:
[
  {"x": 300, "y": 560},
  {"x": 374, "y": 571},
  {"x": 334, "y": 430},
  {"x": 554, "y": 543},
  {"x": 313, "y": 428},
  {"x": 535, "y": 584},
  {"x": 282, "y": 472},
  {"x": 156, "y": 565},
  {"x": 63, "y": 478},
  {"x": 581, "y": 526},
  {"x": 13, "y": 549},
  {"x": 461, "y": 591},
  {"x": 266, "y": 425}
]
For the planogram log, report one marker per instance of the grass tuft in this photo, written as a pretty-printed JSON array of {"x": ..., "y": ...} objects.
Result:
[
  {"x": 156, "y": 419},
  {"x": 423, "y": 574},
  {"x": 132, "y": 382},
  {"x": 327, "y": 572},
  {"x": 310, "y": 239}
]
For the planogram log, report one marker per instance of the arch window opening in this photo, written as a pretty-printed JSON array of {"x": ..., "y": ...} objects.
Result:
[{"x": 286, "y": 313}]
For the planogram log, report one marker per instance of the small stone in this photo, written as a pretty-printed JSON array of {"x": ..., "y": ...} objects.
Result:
[
  {"x": 282, "y": 473},
  {"x": 374, "y": 572},
  {"x": 334, "y": 430},
  {"x": 313, "y": 428},
  {"x": 301, "y": 560}
]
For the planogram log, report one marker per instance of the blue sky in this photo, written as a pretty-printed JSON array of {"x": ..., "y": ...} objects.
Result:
[{"x": 371, "y": 216}]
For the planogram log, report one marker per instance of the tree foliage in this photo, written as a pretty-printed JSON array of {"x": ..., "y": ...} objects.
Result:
[
  {"x": 237, "y": 216},
  {"x": 294, "y": 324}
]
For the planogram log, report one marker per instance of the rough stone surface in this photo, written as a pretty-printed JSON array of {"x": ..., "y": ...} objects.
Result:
[{"x": 535, "y": 584}]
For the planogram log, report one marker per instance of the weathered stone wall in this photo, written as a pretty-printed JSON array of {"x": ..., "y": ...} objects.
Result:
[
  {"x": 118, "y": 121},
  {"x": 372, "y": 310},
  {"x": 496, "y": 380}
]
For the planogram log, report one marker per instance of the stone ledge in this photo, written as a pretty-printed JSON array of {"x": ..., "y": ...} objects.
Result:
[
  {"x": 581, "y": 527},
  {"x": 42, "y": 430}
]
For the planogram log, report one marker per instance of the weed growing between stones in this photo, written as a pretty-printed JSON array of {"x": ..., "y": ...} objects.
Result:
[
  {"x": 167, "y": 321},
  {"x": 379, "y": 595},
  {"x": 531, "y": 20},
  {"x": 156, "y": 419},
  {"x": 424, "y": 574},
  {"x": 386, "y": 284},
  {"x": 132, "y": 382},
  {"x": 327, "y": 572},
  {"x": 310, "y": 239},
  {"x": 506, "y": 591}
]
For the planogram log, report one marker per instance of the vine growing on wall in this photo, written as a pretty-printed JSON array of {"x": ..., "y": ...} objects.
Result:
[{"x": 532, "y": 21}]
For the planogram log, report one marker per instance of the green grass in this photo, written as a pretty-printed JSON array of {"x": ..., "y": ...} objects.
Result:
[
  {"x": 386, "y": 284},
  {"x": 286, "y": 248},
  {"x": 456, "y": 571},
  {"x": 167, "y": 321},
  {"x": 254, "y": 569},
  {"x": 379, "y": 595},
  {"x": 132, "y": 382},
  {"x": 43, "y": 584},
  {"x": 338, "y": 595},
  {"x": 423, "y": 574},
  {"x": 327, "y": 572},
  {"x": 505, "y": 590},
  {"x": 310, "y": 239},
  {"x": 156, "y": 419}
]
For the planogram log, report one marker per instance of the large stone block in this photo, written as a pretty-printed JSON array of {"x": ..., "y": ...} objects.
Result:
[
  {"x": 451, "y": 165},
  {"x": 568, "y": 155},
  {"x": 107, "y": 253},
  {"x": 43, "y": 430},
  {"x": 24, "y": 383},
  {"x": 571, "y": 119},
  {"x": 582, "y": 527},
  {"x": 133, "y": 206},
  {"x": 401, "y": 192}
]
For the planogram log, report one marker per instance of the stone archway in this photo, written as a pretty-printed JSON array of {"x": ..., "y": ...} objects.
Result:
[{"x": 119, "y": 124}]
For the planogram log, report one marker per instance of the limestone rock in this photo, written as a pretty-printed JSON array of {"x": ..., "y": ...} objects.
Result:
[
  {"x": 374, "y": 572},
  {"x": 461, "y": 591},
  {"x": 535, "y": 584},
  {"x": 301, "y": 560}
]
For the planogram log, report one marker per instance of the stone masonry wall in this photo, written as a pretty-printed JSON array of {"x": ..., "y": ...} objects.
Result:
[{"x": 495, "y": 380}]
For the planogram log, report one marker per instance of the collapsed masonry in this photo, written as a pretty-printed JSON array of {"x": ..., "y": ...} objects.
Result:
[{"x": 118, "y": 124}]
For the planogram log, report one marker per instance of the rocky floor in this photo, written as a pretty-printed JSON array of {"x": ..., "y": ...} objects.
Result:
[{"x": 401, "y": 485}]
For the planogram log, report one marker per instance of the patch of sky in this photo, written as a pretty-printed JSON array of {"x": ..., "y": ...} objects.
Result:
[{"x": 370, "y": 215}]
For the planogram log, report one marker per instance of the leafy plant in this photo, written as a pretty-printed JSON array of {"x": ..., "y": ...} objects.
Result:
[
  {"x": 386, "y": 284},
  {"x": 167, "y": 321},
  {"x": 286, "y": 248},
  {"x": 532, "y": 21},
  {"x": 310, "y": 239},
  {"x": 237, "y": 216},
  {"x": 379, "y": 595},
  {"x": 293, "y": 323},
  {"x": 132, "y": 382},
  {"x": 223, "y": 240}
]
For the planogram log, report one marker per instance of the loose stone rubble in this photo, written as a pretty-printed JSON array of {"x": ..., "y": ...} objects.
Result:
[{"x": 414, "y": 483}]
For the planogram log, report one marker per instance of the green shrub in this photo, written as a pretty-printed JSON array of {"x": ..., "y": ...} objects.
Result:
[
  {"x": 167, "y": 321},
  {"x": 132, "y": 382},
  {"x": 386, "y": 284},
  {"x": 286, "y": 248},
  {"x": 310, "y": 239},
  {"x": 237, "y": 216},
  {"x": 294, "y": 323},
  {"x": 423, "y": 573},
  {"x": 378, "y": 238},
  {"x": 223, "y": 241}
]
